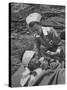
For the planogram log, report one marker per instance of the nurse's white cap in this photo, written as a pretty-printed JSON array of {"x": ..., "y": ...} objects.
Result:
[{"x": 33, "y": 17}]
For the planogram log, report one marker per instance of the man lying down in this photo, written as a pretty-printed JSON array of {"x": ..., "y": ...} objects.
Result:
[{"x": 45, "y": 64}]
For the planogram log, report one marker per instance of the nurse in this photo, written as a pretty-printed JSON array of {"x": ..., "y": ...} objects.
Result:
[{"x": 44, "y": 36}]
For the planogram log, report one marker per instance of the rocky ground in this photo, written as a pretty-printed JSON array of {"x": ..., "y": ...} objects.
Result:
[{"x": 21, "y": 37}]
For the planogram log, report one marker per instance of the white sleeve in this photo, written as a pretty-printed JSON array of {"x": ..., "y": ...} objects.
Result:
[{"x": 58, "y": 50}]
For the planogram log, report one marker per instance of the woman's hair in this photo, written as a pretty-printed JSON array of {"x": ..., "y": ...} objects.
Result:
[{"x": 33, "y": 23}]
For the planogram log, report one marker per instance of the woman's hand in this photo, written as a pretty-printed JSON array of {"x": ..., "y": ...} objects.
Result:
[{"x": 51, "y": 53}]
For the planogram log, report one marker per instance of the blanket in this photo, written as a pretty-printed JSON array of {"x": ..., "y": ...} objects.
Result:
[{"x": 50, "y": 77}]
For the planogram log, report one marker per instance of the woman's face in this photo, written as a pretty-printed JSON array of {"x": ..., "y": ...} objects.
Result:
[{"x": 35, "y": 28}]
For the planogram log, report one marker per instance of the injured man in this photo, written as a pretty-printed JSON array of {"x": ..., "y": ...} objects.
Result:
[
  {"x": 36, "y": 68},
  {"x": 33, "y": 69}
]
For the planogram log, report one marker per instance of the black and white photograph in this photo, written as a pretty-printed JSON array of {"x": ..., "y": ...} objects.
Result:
[{"x": 37, "y": 44}]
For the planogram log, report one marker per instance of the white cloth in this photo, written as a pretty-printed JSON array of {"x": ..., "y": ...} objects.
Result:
[
  {"x": 46, "y": 30},
  {"x": 26, "y": 72},
  {"x": 33, "y": 17},
  {"x": 27, "y": 57},
  {"x": 38, "y": 71},
  {"x": 24, "y": 80}
]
